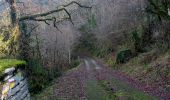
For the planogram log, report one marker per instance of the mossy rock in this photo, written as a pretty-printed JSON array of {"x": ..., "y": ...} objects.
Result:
[
  {"x": 123, "y": 56},
  {"x": 9, "y": 63}
]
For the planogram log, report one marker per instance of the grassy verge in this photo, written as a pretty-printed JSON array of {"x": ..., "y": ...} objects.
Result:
[
  {"x": 46, "y": 94},
  {"x": 123, "y": 91},
  {"x": 94, "y": 91},
  {"x": 48, "y": 90}
]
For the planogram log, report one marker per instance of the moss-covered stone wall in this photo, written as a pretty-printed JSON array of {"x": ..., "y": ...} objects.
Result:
[{"x": 13, "y": 84}]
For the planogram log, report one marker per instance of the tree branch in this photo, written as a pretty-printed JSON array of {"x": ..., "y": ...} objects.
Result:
[
  {"x": 69, "y": 16},
  {"x": 32, "y": 17},
  {"x": 21, "y": 3},
  {"x": 59, "y": 9},
  {"x": 33, "y": 29},
  {"x": 38, "y": 17},
  {"x": 74, "y": 2},
  {"x": 53, "y": 19}
]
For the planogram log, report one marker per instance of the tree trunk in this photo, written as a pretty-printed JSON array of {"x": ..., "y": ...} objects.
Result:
[
  {"x": 13, "y": 12},
  {"x": 69, "y": 56}
]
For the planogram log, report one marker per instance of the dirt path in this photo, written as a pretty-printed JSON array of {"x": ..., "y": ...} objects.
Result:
[{"x": 94, "y": 81}]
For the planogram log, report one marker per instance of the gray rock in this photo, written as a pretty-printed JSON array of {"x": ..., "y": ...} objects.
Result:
[
  {"x": 9, "y": 71},
  {"x": 27, "y": 98},
  {"x": 22, "y": 83},
  {"x": 23, "y": 89},
  {"x": 15, "y": 98},
  {"x": 8, "y": 77},
  {"x": 24, "y": 95},
  {"x": 14, "y": 91}
]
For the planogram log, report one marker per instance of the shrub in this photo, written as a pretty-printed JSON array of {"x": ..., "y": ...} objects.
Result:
[
  {"x": 111, "y": 62},
  {"x": 136, "y": 41},
  {"x": 9, "y": 42},
  {"x": 74, "y": 63},
  {"x": 39, "y": 77},
  {"x": 123, "y": 56}
]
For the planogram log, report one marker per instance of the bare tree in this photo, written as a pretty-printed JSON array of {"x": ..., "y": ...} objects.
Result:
[
  {"x": 46, "y": 17},
  {"x": 38, "y": 17}
]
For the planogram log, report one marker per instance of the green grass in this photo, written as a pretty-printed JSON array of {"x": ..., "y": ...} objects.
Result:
[
  {"x": 94, "y": 91},
  {"x": 46, "y": 94},
  {"x": 8, "y": 63},
  {"x": 123, "y": 90}
]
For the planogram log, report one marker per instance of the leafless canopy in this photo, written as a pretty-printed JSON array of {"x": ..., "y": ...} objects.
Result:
[{"x": 38, "y": 17}]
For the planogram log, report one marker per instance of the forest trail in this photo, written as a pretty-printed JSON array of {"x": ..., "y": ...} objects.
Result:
[{"x": 92, "y": 80}]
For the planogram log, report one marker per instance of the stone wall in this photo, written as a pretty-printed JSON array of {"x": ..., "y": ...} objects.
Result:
[{"x": 15, "y": 86}]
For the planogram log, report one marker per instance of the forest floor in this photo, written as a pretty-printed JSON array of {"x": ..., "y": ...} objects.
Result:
[{"x": 93, "y": 80}]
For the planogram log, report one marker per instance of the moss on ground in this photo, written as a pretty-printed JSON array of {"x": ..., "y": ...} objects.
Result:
[{"x": 8, "y": 63}]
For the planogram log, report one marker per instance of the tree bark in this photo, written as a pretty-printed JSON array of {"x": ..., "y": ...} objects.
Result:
[
  {"x": 13, "y": 12},
  {"x": 69, "y": 56}
]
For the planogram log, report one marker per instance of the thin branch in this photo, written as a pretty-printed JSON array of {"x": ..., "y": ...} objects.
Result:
[
  {"x": 47, "y": 22},
  {"x": 33, "y": 29},
  {"x": 43, "y": 20},
  {"x": 51, "y": 19},
  {"x": 69, "y": 15},
  {"x": 54, "y": 20},
  {"x": 54, "y": 23},
  {"x": 74, "y": 2},
  {"x": 63, "y": 19},
  {"x": 21, "y": 3}
]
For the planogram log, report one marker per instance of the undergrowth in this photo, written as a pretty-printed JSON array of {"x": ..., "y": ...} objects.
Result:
[
  {"x": 40, "y": 77},
  {"x": 74, "y": 63}
]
